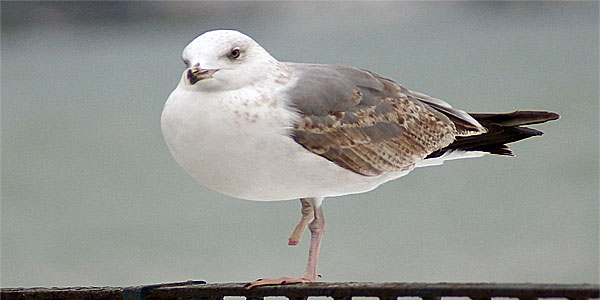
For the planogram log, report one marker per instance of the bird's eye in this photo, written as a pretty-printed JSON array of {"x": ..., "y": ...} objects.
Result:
[
  {"x": 234, "y": 53},
  {"x": 186, "y": 62}
]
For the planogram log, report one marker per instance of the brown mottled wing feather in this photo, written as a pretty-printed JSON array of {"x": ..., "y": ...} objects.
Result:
[{"x": 363, "y": 122}]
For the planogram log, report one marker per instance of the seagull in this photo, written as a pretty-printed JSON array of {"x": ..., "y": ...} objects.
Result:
[{"x": 249, "y": 126}]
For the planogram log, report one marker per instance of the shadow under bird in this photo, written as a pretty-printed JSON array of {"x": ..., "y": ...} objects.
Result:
[{"x": 249, "y": 126}]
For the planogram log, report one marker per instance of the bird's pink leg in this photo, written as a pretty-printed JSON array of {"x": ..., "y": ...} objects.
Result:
[
  {"x": 317, "y": 229},
  {"x": 308, "y": 215}
]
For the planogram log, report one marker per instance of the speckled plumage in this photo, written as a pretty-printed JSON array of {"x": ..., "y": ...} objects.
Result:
[{"x": 366, "y": 123}]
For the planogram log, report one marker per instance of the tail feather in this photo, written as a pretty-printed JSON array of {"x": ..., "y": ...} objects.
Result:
[{"x": 502, "y": 129}]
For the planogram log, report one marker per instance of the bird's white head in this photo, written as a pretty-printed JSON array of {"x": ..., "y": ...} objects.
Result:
[{"x": 221, "y": 60}]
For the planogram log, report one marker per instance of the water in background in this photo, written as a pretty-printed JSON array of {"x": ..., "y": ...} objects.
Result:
[{"x": 91, "y": 195}]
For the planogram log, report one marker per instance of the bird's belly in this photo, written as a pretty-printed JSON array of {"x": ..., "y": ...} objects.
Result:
[
  {"x": 251, "y": 155},
  {"x": 252, "y": 158}
]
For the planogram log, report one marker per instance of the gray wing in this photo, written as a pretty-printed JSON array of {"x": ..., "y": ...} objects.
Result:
[{"x": 369, "y": 124}]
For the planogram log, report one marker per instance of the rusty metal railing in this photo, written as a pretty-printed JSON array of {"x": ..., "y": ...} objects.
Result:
[{"x": 339, "y": 291}]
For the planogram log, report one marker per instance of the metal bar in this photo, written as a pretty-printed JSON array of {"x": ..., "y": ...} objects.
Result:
[
  {"x": 482, "y": 298},
  {"x": 140, "y": 292},
  {"x": 208, "y": 298},
  {"x": 532, "y": 298},
  {"x": 344, "y": 290}
]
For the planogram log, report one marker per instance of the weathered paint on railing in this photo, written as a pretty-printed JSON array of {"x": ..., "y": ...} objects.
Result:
[{"x": 338, "y": 291}]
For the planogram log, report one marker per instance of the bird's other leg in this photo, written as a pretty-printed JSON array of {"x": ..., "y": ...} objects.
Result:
[
  {"x": 308, "y": 215},
  {"x": 317, "y": 229}
]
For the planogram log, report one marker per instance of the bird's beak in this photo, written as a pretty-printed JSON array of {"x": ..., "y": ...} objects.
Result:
[{"x": 195, "y": 74}]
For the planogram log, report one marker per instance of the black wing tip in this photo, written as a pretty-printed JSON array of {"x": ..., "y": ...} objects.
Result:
[
  {"x": 529, "y": 132},
  {"x": 501, "y": 150},
  {"x": 549, "y": 115},
  {"x": 543, "y": 116},
  {"x": 516, "y": 118},
  {"x": 504, "y": 128},
  {"x": 553, "y": 116}
]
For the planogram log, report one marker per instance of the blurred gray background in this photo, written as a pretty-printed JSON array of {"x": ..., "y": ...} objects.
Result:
[{"x": 92, "y": 196}]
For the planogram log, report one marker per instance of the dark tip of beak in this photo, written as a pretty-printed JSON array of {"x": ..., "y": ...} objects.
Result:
[
  {"x": 192, "y": 75},
  {"x": 195, "y": 74}
]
